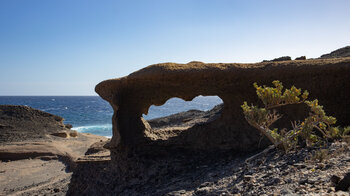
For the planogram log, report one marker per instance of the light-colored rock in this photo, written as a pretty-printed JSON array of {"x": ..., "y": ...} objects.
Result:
[{"x": 62, "y": 134}]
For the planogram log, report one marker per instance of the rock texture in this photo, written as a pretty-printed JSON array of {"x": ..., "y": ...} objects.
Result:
[
  {"x": 269, "y": 172},
  {"x": 19, "y": 123},
  {"x": 341, "y": 52},
  {"x": 38, "y": 152},
  {"x": 282, "y": 58},
  {"x": 187, "y": 119},
  {"x": 301, "y": 58},
  {"x": 131, "y": 96},
  {"x": 170, "y": 126}
]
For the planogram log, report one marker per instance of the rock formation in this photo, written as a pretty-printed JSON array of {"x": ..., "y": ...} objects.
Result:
[
  {"x": 341, "y": 52},
  {"x": 282, "y": 58},
  {"x": 38, "y": 151},
  {"x": 19, "y": 123},
  {"x": 131, "y": 96},
  {"x": 301, "y": 58}
]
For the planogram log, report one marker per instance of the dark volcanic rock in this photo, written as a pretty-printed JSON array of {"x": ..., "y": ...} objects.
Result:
[
  {"x": 19, "y": 123},
  {"x": 187, "y": 119},
  {"x": 335, "y": 179},
  {"x": 344, "y": 184},
  {"x": 283, "y": 58},
  {"x": 269, "y": 172},
  {"x": 301, "y": 58},
  {"x": 341, "y": 52}
]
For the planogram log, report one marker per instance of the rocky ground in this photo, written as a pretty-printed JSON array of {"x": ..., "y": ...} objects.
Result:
[
  {"x": 171, "y": 126},
  {"x": 38, "y": 152},
  {"x": 270, "y": 172},
  {"x": 53, "y": 165},
  {"x": 275, "y": 173},
  {"x": 304, "y": 171}
]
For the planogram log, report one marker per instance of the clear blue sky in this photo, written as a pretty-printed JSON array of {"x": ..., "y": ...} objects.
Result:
[{"x": 65, "y": 47}]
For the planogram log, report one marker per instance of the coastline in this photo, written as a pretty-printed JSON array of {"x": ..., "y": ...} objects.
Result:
[
  {"x": 39, "y": 154},
  {"x": 39, "y": 163},
  {"x": 66, "y": 165}
]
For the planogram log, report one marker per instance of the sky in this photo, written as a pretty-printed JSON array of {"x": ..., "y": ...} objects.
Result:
[{"x": 66, "y": 47}]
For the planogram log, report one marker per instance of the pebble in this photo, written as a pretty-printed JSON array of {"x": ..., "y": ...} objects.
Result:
[
  {"x": 341, "y": 193},
  {"x": 234, "y": 177},
  {"x": 248, "y": 177},
  {"x": 303, "y": 181},
  {"x": 202, "y": 191}
]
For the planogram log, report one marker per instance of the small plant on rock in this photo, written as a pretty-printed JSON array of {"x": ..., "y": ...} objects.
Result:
[{"x": 316, "y": 129}]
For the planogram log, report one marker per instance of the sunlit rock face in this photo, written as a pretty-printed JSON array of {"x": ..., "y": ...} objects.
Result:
[{"x": 326, "y": 79}]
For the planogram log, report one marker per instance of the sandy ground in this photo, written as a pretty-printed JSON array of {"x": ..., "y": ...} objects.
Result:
[
  {"x": 28, "y": 175},
  {"x": 41, "y": 168}
]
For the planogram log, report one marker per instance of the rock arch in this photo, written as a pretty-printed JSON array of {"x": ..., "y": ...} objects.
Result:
[{"x": 131, "y": 96}]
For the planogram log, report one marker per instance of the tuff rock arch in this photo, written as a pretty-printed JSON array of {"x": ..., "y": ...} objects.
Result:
[{"x": 131, "y": 96}]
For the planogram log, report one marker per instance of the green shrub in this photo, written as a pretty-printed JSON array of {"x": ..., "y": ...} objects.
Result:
[
  {"x": 344, "y": 131},
  {"x": 316, "y": 129},
  {"x": 320, "y": 155}
]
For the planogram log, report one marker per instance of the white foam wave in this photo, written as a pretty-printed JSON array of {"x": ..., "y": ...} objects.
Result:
[
  {"x": 93, "y": 127},
  {"x": 50, "y": 109},
  {"x": 103, "y": 130}
]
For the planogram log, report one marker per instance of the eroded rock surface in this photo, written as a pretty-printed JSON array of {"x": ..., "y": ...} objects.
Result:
[
  {"x": 34, "y": 157},
  {"x": 131, "y": 96},
  {"x": 341, "y": 52},
  {"x": 20, "y": 123}
]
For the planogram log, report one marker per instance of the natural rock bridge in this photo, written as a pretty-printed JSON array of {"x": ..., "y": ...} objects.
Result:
[{"x": 131, "y": 96}]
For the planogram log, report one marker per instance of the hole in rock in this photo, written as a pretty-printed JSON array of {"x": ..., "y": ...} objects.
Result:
[{"x": 184, "y": 114}]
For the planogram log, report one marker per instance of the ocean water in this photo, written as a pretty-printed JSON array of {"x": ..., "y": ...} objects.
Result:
[{"x": 91, "y": 114}]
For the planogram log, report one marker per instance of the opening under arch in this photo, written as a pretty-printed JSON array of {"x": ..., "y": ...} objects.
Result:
[{"x": 180, "y": 114}]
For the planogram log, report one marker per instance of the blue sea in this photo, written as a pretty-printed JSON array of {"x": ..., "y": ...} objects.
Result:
[{"x": 91, "y": 114}]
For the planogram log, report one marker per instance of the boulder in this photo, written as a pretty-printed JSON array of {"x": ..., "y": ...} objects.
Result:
[{"x": 344, "y": 184}]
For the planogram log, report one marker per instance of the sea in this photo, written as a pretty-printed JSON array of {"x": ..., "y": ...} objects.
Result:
[{"x": 92, "y": 114}]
